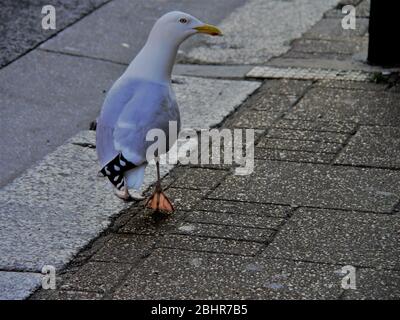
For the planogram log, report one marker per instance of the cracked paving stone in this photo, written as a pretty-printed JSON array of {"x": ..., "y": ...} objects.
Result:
[
  {"x": 314, "y": 185},
  {"x": 94, "y": 277},
  {"x": 248, "y": 208},
  {"x": 373, "y": 146},
  {"x": 331, "y": 126},
  {"x": 374, "y": 108},
  {"x": 233, "y": 219},
  {"x": 299, "y": 145},
  {"x": 230, "y": 276},
  {"x": 331, "y": 29},
  {"x": 125, "y": 248},
  {"x": 317, "y": 136},
  {"x": 222, "y": 231},
  {"x": 294, "y": 156},
  {"x": 192, "y": 243},
  {"x": 348, "y": 238},
  {"x": 199, "y": 178},
  {"x": 375, "y": 285}
]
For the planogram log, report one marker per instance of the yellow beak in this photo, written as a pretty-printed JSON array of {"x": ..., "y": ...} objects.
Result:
[{"x": 209, "y": 29}]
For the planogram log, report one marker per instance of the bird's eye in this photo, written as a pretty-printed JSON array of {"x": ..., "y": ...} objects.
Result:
[{"x": 183, "y": 20}]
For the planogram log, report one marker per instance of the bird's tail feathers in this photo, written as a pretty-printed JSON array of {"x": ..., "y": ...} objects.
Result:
[{"x": 134, "y": 178}]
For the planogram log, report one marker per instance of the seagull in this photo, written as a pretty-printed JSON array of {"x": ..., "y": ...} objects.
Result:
[{"x": 142, "y": 99}]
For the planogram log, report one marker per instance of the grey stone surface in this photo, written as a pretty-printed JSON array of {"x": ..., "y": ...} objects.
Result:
[
  {"x": 373, "y": 146},
  {"x": 307, "y": 135},
  {"x": 344, "y": 62},
  {"x": 249, "y": 208},
  {"x": 293, "y": 156},
  {"x": 145, "y": 223},
  {"x": 352, "y": 85},
  {"x": 253, "y": 119},
  {"x": 299, "y": 145},
  {"x": 206, "y": 102},
  {"x": 97, "y": 277},
  {"x": 18, "y": 285},
  {"x": 193, "y": 243},
  {"x": 331, "y": 29},
  {"x": 321, "y": 47},
  {"x": 345, "y": 238},
  {"x": 56, "y": 97},
  {"x": 196, "y": 178},
  {"x": 212, "y": 276},
  {"x": 285, "y": 87},
  {"x": 125, "y": 249},
  {"x": 21, "y": 29},
  {"x": 212, "y": 71},
  {"x": 249, "y": 38},
  {"x": 222, "y": 231},
  {"x": 375, "y": 285},
  {"x": 65, "y": 295},
  {"x": 118, "y": 30},
  {"x": 230, "y": 219},
  {"x": 275, "y": 103},
  {"x": 379, "y": 108},
  {"x": 317, "y": 125},
  {"x": 314, "y": 185}
]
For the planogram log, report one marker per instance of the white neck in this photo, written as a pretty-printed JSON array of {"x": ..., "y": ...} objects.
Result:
[{"x": 155, "y": 61}]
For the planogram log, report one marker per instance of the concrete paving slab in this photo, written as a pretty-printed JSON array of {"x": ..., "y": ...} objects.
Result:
[
  {"x": 230, "y": 219},
  {"x": 375, "y": 285},
  {"x": 125, "y": 249},
  {"x": 275, "y": 103},
  {"x": 314, "y": 185},
  {"x": 196, "y": 178},
  {"x": 351, "y": 85},
  {"x": 373, "y": 146},
  {"x": 299, "y": 145},
  {"x": 47, "y": 105},
  {"x": 293, "y": 156},
  {"x": 65, "y": 295},
  {"x": 249, "y": 208},
  {"x": 227, "y": 246},
  {"x": 317, "y": 125},
  {"x": 21, "y": 28},
  {"x": 232, "y": 277},
  {"x": 253, "y": 119},
  {"x": 97, "y": 277},
  {"x": 337, "y": 237},
  {"x": 324, "y": 62},
  {"x": 212, "y": 71},
  {"x": 205, "y": 102},
  {"x": 307, "y": 135},
  {"x": 372, "y": 108},
  {"x": 329, "y": 47},
  {"x": 222, "y": 231},
  {"x": 18, "y": 285},
  {"x": 118, "y": 30},
  {"x": 249, "y": 38},
  {"x": 285, "y": 87},
  {"x": 331, "y": 29}
]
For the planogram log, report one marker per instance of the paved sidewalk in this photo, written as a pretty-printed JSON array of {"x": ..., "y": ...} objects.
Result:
[{"x": 325, "y": 193}]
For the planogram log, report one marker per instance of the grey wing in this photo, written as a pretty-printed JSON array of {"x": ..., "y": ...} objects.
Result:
[{"x": 151, "y": 108}]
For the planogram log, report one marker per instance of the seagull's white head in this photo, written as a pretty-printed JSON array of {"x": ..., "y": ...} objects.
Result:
[
  {"x": 156, "y": 59},
  {"x": 177, "y": 26}
]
